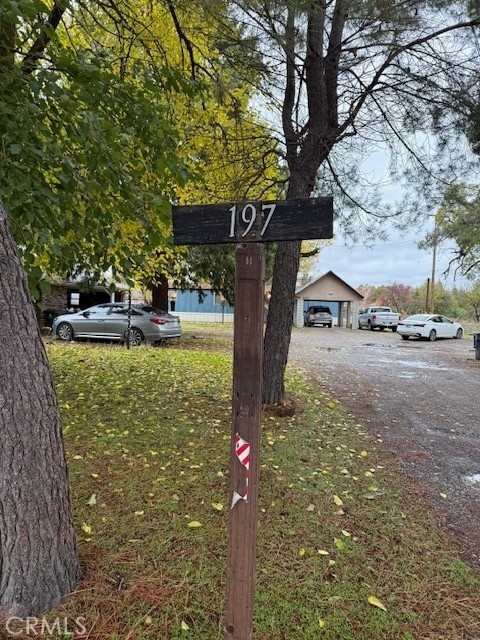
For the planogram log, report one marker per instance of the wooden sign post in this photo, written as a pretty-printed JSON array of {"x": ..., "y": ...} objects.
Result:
[
  {"x": 246, "y": 414},
  {"x": 248, "y": 224}
]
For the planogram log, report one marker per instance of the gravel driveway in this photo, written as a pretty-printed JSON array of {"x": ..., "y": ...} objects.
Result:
[{"x": 422, "y": 399}]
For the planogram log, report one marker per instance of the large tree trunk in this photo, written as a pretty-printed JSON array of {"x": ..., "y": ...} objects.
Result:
[
  {"x": 305, "y": 153},
  {"x": 282, "y": 302},
  {"x": 160, "y": 292},
  {"x": 38, "y": 556},
  {"x": 279, "y": 322}
]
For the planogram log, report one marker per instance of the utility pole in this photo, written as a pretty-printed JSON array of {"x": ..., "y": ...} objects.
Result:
[{"x": 432, "y": 282}]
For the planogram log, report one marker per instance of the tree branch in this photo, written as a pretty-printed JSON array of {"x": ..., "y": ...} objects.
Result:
[
  {"x": 182, "y": 36},
  {"x": 309, "y": 254},
  {"x": 289, "y": 93},
  {"x": 35, "y": 52},
  {"x": 393, "y": 55}
]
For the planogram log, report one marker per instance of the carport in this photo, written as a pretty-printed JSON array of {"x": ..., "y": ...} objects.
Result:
[{"x": 329, "y": 290}]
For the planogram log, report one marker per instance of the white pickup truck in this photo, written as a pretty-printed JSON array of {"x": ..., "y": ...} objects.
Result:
[{"x": 378, "y": 318}]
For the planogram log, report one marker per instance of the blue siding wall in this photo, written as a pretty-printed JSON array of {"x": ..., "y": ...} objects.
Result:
[{"x": 188, "y": 301}]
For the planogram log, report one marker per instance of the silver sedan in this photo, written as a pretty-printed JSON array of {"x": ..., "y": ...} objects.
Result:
[
  {"x": 110, "y": 322},
  {"x": 429, "y": 326}
]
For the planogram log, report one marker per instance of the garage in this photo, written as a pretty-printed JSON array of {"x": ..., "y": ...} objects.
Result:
[{"x": 333, "y": 292}]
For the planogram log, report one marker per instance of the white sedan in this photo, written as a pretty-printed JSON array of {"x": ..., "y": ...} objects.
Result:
[{"x": 429, "y": 326}]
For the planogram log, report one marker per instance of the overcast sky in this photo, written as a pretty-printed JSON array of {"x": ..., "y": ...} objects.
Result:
[{"x": 395, "y": 260}]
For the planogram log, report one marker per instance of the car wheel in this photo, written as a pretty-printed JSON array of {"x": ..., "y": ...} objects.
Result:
[
  {"x": 432, "y": 335},
  {"x": 136, "y": 337},
  {"x": 370, "y": 325},
  {"x": 65, "y": 331},
  {"x": 405, "y": 337},
  {"x": 330, "y": 325},
  {"x": 394, "y": 329},
  {"x": 459, "y": 334}
]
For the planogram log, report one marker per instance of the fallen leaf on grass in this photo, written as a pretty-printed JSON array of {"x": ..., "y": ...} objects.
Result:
[
  {"x": 218, "y": 506},
  {"x": 184, "y": 626},
  {"x": 92, "y": 500},
  {"x": 375, "y": 602},
  {"x": 194, "y": 524},
  {"x": 321, "y": 623}
]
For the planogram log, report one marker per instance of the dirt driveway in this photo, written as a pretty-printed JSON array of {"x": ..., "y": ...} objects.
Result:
[{"x": 422, "y": 399}]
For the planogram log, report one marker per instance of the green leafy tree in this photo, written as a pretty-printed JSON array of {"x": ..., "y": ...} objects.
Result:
[
  {"x": 227, "y": 148},
  {"x": 87, "y": 161},
  {"x": 458, "y": 219},
  {"x": 472, "y": 301},
  {"x": 445, "y": 301}
]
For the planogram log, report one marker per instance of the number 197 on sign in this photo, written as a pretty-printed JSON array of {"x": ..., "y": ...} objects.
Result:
[{"x": 248, "y": 217}]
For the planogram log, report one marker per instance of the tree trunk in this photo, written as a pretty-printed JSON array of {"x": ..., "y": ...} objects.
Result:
[
  {"x": 282, "y": 302},
  {"x": 280, "y": 319},
  {"x": 38, "y": 555},
  {"x": 305, "y": 152},
  {"x": 160, "y": 293}
]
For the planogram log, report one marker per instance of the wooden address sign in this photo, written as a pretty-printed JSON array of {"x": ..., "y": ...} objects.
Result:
[{"x": 239, "y": 222}]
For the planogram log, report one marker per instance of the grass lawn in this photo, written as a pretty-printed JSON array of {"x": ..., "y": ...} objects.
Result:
[{"x": 344, "y": 552}]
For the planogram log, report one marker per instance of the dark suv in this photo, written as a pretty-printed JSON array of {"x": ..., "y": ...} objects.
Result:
[{"x": 318, "y": 315}]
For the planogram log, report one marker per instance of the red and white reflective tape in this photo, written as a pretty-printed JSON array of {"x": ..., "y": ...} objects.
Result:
[{"x": 242, "y": 450}]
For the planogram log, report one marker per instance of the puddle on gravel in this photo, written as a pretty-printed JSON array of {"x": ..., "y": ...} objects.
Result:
[
  {"x": 377, "y": 346},
  {"x": 410, "y": 364},
  {"x": 475, "y": 480},
  {"x": 421, "y": 364}
]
